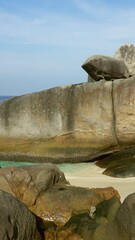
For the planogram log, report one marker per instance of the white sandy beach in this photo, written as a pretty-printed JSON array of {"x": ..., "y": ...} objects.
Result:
[{"x": 89, "y": 175}]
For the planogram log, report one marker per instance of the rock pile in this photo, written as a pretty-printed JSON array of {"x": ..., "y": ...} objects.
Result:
[{"x": 61, "y": 211}]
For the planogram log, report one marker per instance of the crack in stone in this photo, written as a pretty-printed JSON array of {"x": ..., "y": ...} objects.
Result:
[{"x": 114, "y": 117}]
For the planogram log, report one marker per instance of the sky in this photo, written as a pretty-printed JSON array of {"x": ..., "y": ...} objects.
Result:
[{"x": 43, "y": 43}]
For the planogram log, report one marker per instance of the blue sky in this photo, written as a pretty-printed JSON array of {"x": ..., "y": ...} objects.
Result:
[{"x": 43, "y": 43}]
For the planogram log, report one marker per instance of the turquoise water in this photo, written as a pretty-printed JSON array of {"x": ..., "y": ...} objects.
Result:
[
  {"x": 65, "y": 167},
  {"x": 16, "y": 164}
]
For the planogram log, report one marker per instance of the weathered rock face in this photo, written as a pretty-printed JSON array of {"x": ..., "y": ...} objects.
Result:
[
  {"x": 28, "y": 183},
  {"x": 76, "y": 120},
  {"x": 127, "y": 54},
  {"x": 104, "y": 67},
  {"x": 16, "y": 221},
  {"x": 71, "y": 124}
]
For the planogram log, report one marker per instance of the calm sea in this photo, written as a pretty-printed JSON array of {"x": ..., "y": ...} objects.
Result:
[{"x": 2, "y": 98}]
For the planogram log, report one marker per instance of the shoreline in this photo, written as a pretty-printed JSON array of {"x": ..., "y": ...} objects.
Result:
[{"x": 89, "y": 175}]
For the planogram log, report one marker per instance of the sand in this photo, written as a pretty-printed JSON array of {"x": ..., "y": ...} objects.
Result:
[{"x": 89, "y": 175}]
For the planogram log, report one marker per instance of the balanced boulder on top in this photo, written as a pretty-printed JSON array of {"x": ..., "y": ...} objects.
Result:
[{"x": 104, "y": 67}]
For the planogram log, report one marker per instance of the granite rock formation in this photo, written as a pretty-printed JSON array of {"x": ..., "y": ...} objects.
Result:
[
  {"x": 46, "y": 192},
  {"x": 72, "y": 123},
  {"x": 62, "y": 212},
  {"x": 126, "y": 53}
]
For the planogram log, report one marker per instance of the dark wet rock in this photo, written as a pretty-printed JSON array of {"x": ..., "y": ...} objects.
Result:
[
  {"x": 122, "y": 227},
  {"x": 103, "y": 67},
  {"x": 120, "y": 164},
  {"x": 84, "y": 225},
  {"x": 125, "y": 218},
  {"x": 16, "y": 221}
]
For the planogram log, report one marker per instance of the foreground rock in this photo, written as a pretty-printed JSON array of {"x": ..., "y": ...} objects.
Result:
[
  {"x": 16, "y": 221},
  {"x": 27, "y": 183},
  {"x": 48, "y": 195},
  {"x": 110, "y": 221},
  {"x": 63, "y": 212}
]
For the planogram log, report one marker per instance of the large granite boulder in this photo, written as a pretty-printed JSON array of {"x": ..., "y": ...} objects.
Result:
[
  {"x": 16, "y": 221},
  {"x": 64, "y": 124},
  {"x": 70, "y": 124},
  {"x": 104, "y": 67},
  {"x": 127, "y": 54}
]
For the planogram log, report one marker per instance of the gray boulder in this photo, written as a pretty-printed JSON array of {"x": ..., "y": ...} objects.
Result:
[
  {"x": 104, "y": 67},
  {"x": 125, "y": 218},
  {"x": 127, "y": 54},
  {"x": 16, "y": 221}
]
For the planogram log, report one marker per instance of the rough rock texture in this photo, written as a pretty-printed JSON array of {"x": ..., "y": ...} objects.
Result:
[
  {"x": 16, "y": 221},
  {"x": 124, "y": 110},
  {"x": 127, "y": 54},
  {"x": 84, "y": 226},
  {"x": 111, "y": 220},
  {"x": 59, "y": 203},
  {"x": 125, "y": 218},
  {"x": 47, "y": 193},
  {"x": 104, "y": 67},
  {"x": 27, "y": 183},
  {"x": 122, "y": 228},
  {"x": 73, "y": 123}
]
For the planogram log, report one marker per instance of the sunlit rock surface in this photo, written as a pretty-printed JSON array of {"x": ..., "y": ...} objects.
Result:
[{"x": 70, "y": 124}]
